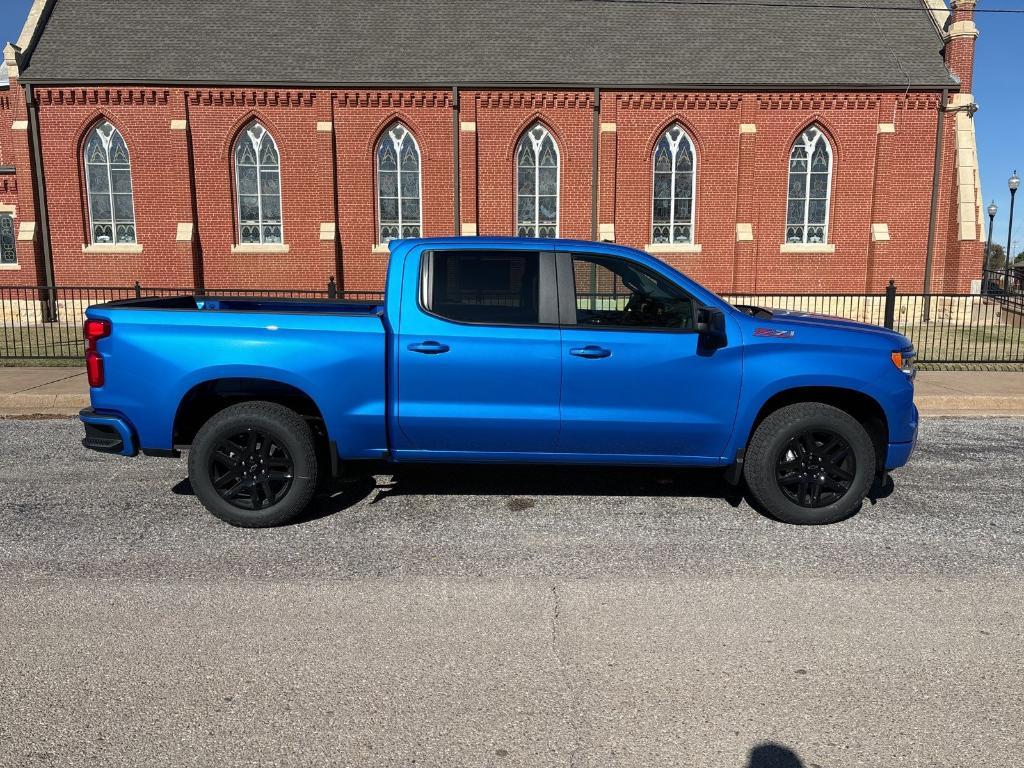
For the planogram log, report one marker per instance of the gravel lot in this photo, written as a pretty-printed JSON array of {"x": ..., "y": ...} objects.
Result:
[{"x": 500, "y": 617}]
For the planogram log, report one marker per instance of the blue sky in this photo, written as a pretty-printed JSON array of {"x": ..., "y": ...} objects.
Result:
[{"x": 998, "y": 87}]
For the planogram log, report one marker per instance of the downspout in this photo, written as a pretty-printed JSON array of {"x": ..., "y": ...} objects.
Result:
[
  {"x": 594, "y": 163},
  {"x": 940, "y": 126},
  {"x": 457, "y": 186},
  {"x": 50, "y": 311}
]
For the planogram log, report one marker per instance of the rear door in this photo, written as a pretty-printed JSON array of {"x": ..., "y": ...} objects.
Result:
[
  {"x": 478, "y": 352},
  {"x": 637, "y": 381}
]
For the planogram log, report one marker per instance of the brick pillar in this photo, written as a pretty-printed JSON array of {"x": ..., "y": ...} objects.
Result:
[
  {"x": 607, "y": 170},
  {"x": 744, "y": 275},
  {"x": 468, "y": 181},
  {"x": 881, "y": 202},
  {"x": 326, "y": 178},
  {"x": 961, "y": 35}
]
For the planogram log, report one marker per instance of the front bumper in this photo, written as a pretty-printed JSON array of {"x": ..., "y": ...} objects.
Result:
[
  {"x": 108, "y": 433},
  {"x": 899, "y": 453}
]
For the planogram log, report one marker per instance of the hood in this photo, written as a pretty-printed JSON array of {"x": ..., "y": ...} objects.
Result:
[{"x": 827, "y": 322}]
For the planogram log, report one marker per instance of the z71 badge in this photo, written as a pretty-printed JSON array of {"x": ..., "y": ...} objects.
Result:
[{"x": 774, "y": 333}]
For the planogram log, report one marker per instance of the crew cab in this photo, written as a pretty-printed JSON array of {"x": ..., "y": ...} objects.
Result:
[{"x": 501, "y": 350}]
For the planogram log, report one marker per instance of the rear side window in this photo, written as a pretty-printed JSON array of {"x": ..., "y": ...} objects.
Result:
[
  {"x": 615, "y": 293},
  {"x": 491, "y": 287}
]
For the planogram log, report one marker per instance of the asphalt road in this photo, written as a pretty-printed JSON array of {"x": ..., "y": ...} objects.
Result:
[{"x": 490, "y": 617}]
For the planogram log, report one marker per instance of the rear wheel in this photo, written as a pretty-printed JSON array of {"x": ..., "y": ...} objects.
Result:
[
  {"x": 254, "y": 465},
  {"x": 810, "y": 464}
]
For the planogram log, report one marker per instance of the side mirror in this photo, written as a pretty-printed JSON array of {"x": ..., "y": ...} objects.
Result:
[{"x": 711, "y": 326}]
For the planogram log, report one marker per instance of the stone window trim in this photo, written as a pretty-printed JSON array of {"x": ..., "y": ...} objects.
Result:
[{"x": 112, "y": 248}]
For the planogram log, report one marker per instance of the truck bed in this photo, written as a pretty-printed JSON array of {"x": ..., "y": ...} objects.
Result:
[{"x": 251, "y": 304}]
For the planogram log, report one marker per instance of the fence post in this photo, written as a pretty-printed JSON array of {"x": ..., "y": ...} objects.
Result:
[
  {"x": 332, "y": 288},
  {"x": 890, "y": 304},
  {"x": 138, "y": 290}
]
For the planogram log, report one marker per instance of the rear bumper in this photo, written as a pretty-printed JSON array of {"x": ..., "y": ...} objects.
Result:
[
  {"x": 899, "y": 453},
  {"x": 108, "y": 433}
]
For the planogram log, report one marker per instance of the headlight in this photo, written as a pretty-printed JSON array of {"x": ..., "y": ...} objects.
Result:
[{"x": 904, "y": 360}]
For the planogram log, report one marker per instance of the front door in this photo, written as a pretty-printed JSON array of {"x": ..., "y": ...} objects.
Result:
[
  {"x": 636, "y": 379},
  {"x": 478, "y": 352}
]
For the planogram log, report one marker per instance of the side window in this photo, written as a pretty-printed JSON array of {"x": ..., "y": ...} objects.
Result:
[
  {"x": 493, "y": 287},
  {"x": 615, "y": 293},
  {"x": 8, "y": 253}
]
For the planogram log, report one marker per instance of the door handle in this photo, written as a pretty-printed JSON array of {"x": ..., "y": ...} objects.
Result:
[
  {"x": 429, "y": 348},
  {"x": 591, "y": 351}
]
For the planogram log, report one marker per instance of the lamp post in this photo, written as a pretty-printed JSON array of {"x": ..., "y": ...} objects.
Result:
[
  {"x": 992, "y": 210},
  {"x": 1013, "y": 183}
]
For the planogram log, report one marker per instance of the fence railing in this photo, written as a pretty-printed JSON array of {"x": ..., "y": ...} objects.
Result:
[
  {"x": 45, "y": 323},
  {"x": 38, "y": 322}
]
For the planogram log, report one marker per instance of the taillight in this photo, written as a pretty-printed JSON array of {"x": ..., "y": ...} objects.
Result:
[
  {"x": 94, "y": 368},
  {"x": 94, "y": 330}
]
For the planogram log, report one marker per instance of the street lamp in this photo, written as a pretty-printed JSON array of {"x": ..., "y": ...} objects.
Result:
[
  {"x": 992, "y": 210},
  {"x": 1013, "y": 183}
]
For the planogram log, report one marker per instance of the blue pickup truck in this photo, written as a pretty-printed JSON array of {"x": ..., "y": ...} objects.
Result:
[{"x": 501, "y": 350}]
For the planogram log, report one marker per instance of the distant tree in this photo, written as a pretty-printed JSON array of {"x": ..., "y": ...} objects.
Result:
[
  {"x": 1019, "y": 259},
  {"x": 996, "y": 258}
]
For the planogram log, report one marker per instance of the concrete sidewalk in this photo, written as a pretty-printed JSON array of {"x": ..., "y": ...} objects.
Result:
[{"x": 64, "y": 391}]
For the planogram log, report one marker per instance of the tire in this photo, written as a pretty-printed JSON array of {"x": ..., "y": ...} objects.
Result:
[
  {"x": 254, "y": 465},
  {"x": 809, "y": 464}
]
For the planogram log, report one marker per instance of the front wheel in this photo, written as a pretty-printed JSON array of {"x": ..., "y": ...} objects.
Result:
[
  {"x": 254, "y": 465},
  {"x": 810, "y": 464}
]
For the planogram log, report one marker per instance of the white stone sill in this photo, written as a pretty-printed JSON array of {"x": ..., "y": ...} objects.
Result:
[{"x": 669, "y": 248}]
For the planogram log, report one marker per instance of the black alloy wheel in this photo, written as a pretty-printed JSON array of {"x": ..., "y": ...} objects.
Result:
[
  {"x": 815, "y": 468},
  {"x": 251, "y": 470}
]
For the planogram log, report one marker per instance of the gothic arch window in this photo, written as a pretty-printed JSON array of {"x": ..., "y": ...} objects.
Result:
[
  {"x": 398, "y": 184},
  {"x": 675, "y": 184},
  {"x": 258, "y": 186},
  {"x": 108, "y": 183},
  {"x": 810, "y": 185},
  {"x": 537, "y": 168}
]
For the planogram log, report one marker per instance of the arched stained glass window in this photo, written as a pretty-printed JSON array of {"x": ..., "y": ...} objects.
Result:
[
  {"x": 675, "y": 180},
  {"x": 108, "y": 183},
  {"x": 810, "y": 183},
  {"x": 537, "y": 184},
  {"x": 258, "y": 186},
  {"x": 398, "y": 184}
]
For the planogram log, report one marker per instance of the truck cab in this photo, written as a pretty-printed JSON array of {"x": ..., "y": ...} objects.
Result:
[{"x": 504, "y": 350}]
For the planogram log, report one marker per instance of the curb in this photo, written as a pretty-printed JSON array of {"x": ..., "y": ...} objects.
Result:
[
  {"x": 29, "y": 404},
  {"x": 974, "y": 405}
]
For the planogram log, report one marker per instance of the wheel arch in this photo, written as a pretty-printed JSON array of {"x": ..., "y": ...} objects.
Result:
[
  {"x": 861, "y": 406},
  {"x": 207, "y": 398}
]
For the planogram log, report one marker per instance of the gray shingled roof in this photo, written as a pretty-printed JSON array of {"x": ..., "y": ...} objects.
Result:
[{"x": 501, "y": 42}]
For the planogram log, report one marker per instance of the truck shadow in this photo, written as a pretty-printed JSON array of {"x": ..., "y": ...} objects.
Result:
[{"x": 521, "y": 484}]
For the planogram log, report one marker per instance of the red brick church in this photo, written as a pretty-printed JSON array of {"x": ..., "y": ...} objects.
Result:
[{"x": 237, "y": 143}]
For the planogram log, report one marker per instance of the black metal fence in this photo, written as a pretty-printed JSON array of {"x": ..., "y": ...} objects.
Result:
[
  {"x": 41, "y": 323},
  {"x": 45, "y": 323}
]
